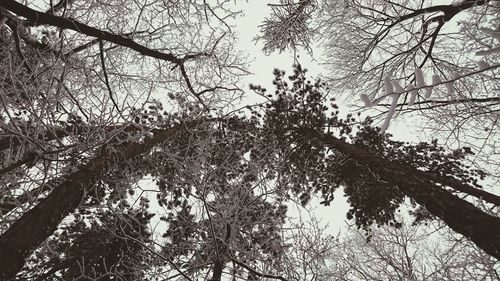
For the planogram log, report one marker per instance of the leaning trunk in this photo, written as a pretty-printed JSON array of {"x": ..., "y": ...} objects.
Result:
[
  {"x": 462, "y": 216},
  {"x": 36, "y": 225}
]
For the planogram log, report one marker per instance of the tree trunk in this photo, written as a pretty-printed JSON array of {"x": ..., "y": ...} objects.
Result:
[
  {"x": 460, "y": 215},
  {"x": 217, "y": 270},
  {"x": 463, "y": 187},
  {"x": 36, "y": 225}
]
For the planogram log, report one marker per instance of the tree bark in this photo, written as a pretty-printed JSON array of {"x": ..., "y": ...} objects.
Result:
[
  {"x": 463, "y": 187},
  {"x": 460, "y": 215},
  {"x": 36, "y": 225},
  {"x": 217, "y": 270},
  {"x": 28, "y": 196}
]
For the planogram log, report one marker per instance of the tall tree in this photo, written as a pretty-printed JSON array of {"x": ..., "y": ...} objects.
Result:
[
  {"x": 78, "y": 130},
  {"x": 75, "y": 87},
  {"x": 72, "y": 81},
  {"x": 294, "y": 147},
  {"x": 321, "y": 153}
]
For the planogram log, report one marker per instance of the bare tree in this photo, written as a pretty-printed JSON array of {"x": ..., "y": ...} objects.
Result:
[
  {"x": 434, "y": 62},
  {"x": 412, "y": 252}
]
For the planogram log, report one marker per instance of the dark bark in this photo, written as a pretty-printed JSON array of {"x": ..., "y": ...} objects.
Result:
[
  {"x": 460, "y": 215},
  {"x": 217, "y": 271},
  {"x": 449, "y": 11},
  {"x": 465, "y": 188},
  {"x": 28, "y": 158},
  {"x": 36, "y": 18},
  {"x": 55, "y": 133},
  {"x": 62, "y": 132},
  {"x": 222, "y": 251},
  {"x": 36, "y": 225},
  {"x": 254, "y": 273},
  {"x": 28, "y": 196}
]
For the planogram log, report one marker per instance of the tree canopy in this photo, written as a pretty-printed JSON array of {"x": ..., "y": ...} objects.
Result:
[
  {"x": 434, "y": 62},
  {"x": 124, "y": 156}
]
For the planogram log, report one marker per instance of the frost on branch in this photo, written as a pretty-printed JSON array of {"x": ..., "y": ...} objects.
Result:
[
  {"x": 366, "y": 100},
  {"x": 483, "y": 65},
  {"x": 419, "y": 76},
  {"x": 389, "y": 89},
  {"x": 493, "y": 34},
  {"x": 436, "y": 79},
  {"x": 394, "y": 105},
  {"x": 288, "y": 26},
  {"x": 449, "y": 88},
  {"x": 394, "y": 89},
  {"x": 397, "y": 87},
  {"x": 413, "y": 94}
]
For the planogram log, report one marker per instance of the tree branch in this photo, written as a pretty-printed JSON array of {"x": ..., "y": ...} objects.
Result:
[
  {"x": 460, "y": 215},
  {"x": 26, "y": 233},
  {"x": 255, "y": 272},
  {"x": 38, "y": 18}
]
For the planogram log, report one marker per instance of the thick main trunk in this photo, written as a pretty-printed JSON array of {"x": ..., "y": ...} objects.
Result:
[
  {"x": 462, "y": 216},
  {"x": 463, "y": 187},
  {"x": 217, "y": 269},
  {"x": 36, "y": 225}
]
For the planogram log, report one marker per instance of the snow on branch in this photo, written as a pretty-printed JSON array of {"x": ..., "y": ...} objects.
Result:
[
  {"x": 495, "y": 34},
  {"x": 394, "y": 90}
]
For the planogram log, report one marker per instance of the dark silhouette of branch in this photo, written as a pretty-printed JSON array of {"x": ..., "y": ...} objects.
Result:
[
  {"x": 38, "y": 18},
  {"x": 61, "y": 5},
  {"x": 255, "y": 272},
  {"x": 462, "y": 187},
  {"x": 449, "y": 11},
  {"x": 106, "y": 80},
  {"x": 28, "y": 196},
  {"x": 433, "y": 41},
  {"x": 28, "y": 158}
]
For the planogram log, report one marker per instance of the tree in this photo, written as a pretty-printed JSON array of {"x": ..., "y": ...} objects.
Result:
[
  {"x": 77, "y": 251},
  {"x": 293, "y": 148},
  {"x": 322, "y": 153},
  {"x": 223, "y": 217},
  {"x": 414, "y": 251},
  {"x": 213, "y": 200},
  {"x": 73, "y": 99},
  {"x": 222, "y": 182},
  {"x": 406, "y": 52}
]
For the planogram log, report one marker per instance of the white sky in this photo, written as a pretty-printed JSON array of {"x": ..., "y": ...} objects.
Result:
[{"x": 262, "y": 65}]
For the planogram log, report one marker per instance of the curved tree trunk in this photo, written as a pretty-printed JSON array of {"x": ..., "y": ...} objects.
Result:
[
  {"x": 462, "y": 216},
  {"x": 36, "y": 225}
]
